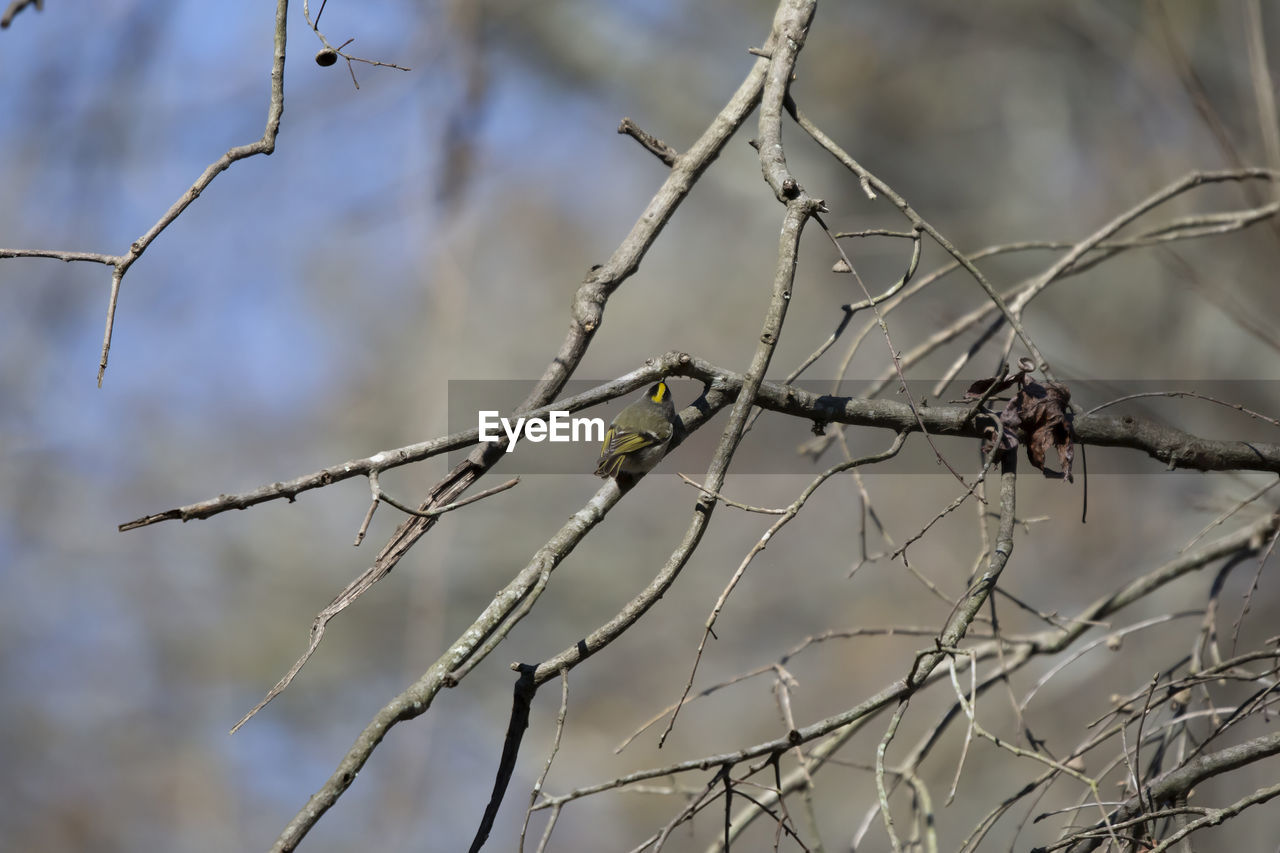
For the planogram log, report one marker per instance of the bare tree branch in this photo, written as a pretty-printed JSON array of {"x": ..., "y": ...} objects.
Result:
[{"x": 122, "y": 263}]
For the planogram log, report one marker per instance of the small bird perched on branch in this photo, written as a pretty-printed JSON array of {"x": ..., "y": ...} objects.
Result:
[{"x": 638, "y": 437}]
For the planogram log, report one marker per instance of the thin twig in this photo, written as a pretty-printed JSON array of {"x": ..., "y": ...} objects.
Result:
[
  {"x": 555, "y": 747},
  {"x": 881, "y": 748},
  {"x": 651, "y": 143},
  {"x": 15, "y": 7},
  {"x": 1215, "y": 817},
  {"x": 380, "y": 495},
  {"x": 1191, "y": 394}
]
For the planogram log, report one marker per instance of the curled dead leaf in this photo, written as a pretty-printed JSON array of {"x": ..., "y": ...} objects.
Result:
[{"x": 1038, "y": 416}]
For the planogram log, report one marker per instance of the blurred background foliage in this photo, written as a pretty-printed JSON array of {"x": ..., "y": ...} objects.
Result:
[{"x": 432, "y": 225}]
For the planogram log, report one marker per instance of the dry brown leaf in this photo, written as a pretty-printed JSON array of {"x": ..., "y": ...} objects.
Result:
[{"x": 1038, "y": 416}]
